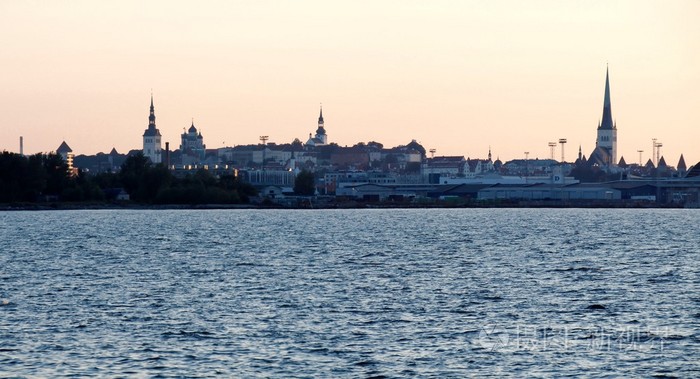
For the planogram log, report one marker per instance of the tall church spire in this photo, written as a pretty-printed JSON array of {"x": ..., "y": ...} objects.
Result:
[
  {"x": 151, "y": 138},
  {"x": 607, "y": 121},
  {"x": 321, "y": 138},
  {"x": 605, "y": 153},
  {"x": 152, "y": 116}
]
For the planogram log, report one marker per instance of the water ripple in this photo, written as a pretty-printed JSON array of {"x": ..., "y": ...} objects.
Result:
[{"x": 349, "y": 293}]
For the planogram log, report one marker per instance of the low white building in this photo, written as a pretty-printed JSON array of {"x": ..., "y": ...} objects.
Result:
[{"x": 548, "y": 192}]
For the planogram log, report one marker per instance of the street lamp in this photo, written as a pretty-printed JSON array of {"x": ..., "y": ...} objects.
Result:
[
  {"x": 263, "y": 139},
  {"x": 551, "y": 145},
  {"x": 527, "y": 154},
  {"x": 562, "y": 141}
]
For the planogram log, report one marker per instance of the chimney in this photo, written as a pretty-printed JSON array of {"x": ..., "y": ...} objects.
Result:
[
  {"x": 167, "y": 155},
  {"x": 21, "y": 145}
]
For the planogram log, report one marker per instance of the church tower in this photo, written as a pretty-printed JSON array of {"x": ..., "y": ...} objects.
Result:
[
  {"x": 321, "y": 131},
  {"x": 607, "y": 129},
  {"x": 151, "y": 138},
  {"x": 320, "y": 138}
]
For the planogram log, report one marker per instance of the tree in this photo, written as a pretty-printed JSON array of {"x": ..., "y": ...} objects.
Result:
[
  {"x": 153, "y": 180},
  {"x": 375, "y": 145},
  {"x": 142, "y": 180},
  {"x": 57, "y": 176},
  {"x": 305, "y": 183},
  {"x": 133, "y": 170},
  {"x": 297, "y": 145},
  {"x": 588, "y": 174},
  {"x": 417, "y": 147},
  {"x": 27, "y": 178},
  {"x": 21, "y": 179}
]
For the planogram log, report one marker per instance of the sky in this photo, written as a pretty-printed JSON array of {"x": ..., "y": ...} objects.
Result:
[{"x": 457, "y": 76}]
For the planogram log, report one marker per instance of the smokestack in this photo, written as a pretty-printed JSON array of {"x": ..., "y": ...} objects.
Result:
[
  {"x": 21, "y": 145},
  {"x": 167, "y": 155}
]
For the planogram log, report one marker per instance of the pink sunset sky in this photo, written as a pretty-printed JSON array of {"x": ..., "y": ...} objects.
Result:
[{"x": 457, "y": 76}]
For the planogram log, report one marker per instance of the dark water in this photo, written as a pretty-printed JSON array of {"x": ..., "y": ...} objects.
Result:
[{"x": 350, "y": 293}]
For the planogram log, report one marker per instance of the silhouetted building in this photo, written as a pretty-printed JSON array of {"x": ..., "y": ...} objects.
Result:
[
  {"x": 151, "y": 138},
  {"x": 321, "y": 138},
  {"x": 605, "y": 153},
  {"x": 694, "y": 171},
  {"x": 192, "y": 144},
  {"x": 67, "y": 154},
  {"x": 622, "y": 163},
  {"x": 681, "y": 167}
]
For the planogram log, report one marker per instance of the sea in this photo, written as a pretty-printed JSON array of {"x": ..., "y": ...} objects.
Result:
[{"x": 362, "y": 293}]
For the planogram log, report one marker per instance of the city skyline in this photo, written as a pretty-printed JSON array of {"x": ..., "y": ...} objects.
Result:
[{"x": 456, "y": 77}]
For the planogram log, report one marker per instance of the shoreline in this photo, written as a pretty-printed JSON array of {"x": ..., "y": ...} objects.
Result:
[{"x": 349, "y": 205}]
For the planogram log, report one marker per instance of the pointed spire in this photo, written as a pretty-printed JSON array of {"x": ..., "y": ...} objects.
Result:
[
  {"x": 606, "y": 101},
  {"x": 607, "y": 121},
  {"x": 662, "y": 162},
  {"x": 320, "y": 116},
  {"x": 64, "y": 148},
  {"x": 580, "y": 154},
  {"x": 622, "y": 163},
  {"x": 681, "y": 164},
  {"x": 152, "y": 115}
]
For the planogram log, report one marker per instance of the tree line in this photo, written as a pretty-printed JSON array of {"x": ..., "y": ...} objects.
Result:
[{"x": 45, "y": 177}]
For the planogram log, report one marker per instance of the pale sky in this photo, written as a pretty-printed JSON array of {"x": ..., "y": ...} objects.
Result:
[{"x": 457, "y": 76}]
